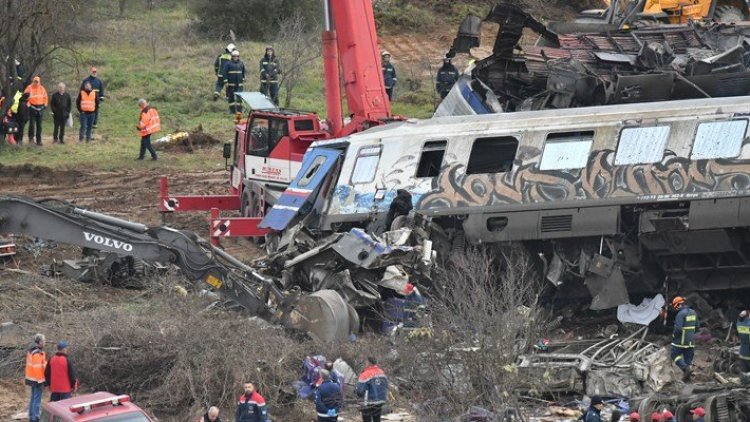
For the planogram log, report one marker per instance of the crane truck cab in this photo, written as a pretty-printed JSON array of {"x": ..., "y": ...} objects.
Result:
[{"x": 267, "y": 152}]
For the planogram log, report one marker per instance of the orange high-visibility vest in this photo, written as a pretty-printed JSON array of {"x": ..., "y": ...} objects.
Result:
[
  {"x": 150, "y": 122},
  {"x": 36, "y": 361},
  {"x": 88, "y": 101},
  {"x": 37, "y": 95}
]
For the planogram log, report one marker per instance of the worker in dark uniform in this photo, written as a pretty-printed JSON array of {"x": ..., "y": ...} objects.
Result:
[
  {"x": 270, "y": 73},
  {"x": 446, "y": 77},
  {"x": 594, "y": 413},
  {"x": 401, "y": 205},
  {"x": 234, "y": 78},
  {"x": 683, "y": 343},
  {"x": 219, "y": 63},
  {"x": 389, "y": 74},
  {"x": 743, "y": 330}
]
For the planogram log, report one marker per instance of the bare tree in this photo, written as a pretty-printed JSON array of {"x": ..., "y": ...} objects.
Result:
[
  {"x": 484, "y": 314},
  {"x": 33, "y": 32},
  {"x": 298, "y": 46}
]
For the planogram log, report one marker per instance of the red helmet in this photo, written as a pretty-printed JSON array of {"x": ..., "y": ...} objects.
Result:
[
  {"x": 698, "y": 411},
  {"x": 635, "y": 417}
]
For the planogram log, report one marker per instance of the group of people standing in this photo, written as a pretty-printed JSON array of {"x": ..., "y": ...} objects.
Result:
[
  {"x": 58, "y": 374},
  {"x": 230, "y": 74},
  {"x": 30, "y": 102}
]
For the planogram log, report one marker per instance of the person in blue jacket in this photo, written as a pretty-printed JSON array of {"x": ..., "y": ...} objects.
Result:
[
  {"x": 327, "y": 398},
  {"x": 372, "y": 389},
  {"x": 251, "y": 406},
  {"x": 683, "y": 337}
]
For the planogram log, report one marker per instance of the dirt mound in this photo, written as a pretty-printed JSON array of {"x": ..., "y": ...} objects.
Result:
[{"x": 31, "y": 171}]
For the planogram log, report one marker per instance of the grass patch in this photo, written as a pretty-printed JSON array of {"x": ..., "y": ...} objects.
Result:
[{"x": 157, "y": 55}]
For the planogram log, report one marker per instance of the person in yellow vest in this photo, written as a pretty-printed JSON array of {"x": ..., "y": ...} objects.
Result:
[
  {"x": 87, "y": 103},
  {"x": 36, "y": 362},
  {"x": 37, "y": 103},
  {"x": 148, "y": 124}
]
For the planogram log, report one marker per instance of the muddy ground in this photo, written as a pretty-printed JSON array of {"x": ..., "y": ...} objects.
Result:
[{"x": 128, "y": 194}]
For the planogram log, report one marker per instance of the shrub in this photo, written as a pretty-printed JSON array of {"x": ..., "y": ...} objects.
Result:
[{"x": 251, "y": 19}]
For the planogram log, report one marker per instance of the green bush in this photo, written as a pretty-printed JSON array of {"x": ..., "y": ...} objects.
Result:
[{"x": 250, "y": 19}]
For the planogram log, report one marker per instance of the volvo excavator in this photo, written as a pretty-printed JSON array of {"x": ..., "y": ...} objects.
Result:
[{"x": 322, "y": 315}]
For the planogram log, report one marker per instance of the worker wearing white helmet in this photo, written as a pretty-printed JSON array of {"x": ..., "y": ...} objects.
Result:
[
  {"x": 221, "y": 59},
  {"x": 234, "y": 79},
  {"x": 389, "y": 74}
]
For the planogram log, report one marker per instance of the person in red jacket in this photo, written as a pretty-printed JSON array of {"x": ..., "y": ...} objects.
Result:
[{"x": 60, "y": 374}]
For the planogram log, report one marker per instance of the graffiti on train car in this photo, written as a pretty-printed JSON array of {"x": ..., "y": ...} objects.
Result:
[{"x": 600, "y": 179}]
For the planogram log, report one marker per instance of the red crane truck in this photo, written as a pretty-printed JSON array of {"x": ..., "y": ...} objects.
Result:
[{"x": 270, "y": 143}]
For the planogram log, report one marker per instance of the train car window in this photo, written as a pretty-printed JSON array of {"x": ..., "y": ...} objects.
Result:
[
  {"x": 641, "y": 145},
  {"x": 492, "y": 155},
  {"x": 366, "y": 165},
  {"x": 719, "y": 139},
  {"x": 569, "y": 150},
  {"x": 431, "y": 160},
  {"x": 313, "y": 170}
]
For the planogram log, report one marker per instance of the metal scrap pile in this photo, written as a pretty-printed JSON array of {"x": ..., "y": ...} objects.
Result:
[
  {"x": 624, "y": 367},
  {"x": 720, "y": 403},
  {"x": 364, "y": 269},
  {"x": 566, "y": 69}
]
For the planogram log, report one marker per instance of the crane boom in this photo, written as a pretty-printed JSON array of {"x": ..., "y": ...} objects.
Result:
[
  {"x": 352, "y": 23},
  {"x": 198, "y": 259}
]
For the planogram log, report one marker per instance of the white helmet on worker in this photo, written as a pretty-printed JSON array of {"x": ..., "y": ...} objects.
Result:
[
  {"x": 231, "y": 47},
  {"x": 385, "y": 53},
  {"x": 236, "y": 53}
]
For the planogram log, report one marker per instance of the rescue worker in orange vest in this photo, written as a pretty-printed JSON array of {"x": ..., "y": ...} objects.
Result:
[
  {"x": 36, "y": 363},
  {"x": 60, "y": 374},
  {"x": 148, "y": 124},
  {"x": 87, "y": 103},
  {"x": 37, "y": 103}
]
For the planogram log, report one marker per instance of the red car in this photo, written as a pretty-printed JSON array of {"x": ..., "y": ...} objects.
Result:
[{"x": 99, "y": 407}]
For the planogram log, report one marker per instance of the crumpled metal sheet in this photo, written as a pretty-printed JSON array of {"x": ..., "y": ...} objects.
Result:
[
  {"x": 366, "y": 251},
  {"x": 606, "y": 284}
]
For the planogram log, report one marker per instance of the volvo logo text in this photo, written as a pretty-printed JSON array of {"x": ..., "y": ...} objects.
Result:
[{"x": 105, "y": 241}]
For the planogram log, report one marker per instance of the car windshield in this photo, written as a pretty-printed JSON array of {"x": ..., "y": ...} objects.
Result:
[{"x": 126, "y": 417}]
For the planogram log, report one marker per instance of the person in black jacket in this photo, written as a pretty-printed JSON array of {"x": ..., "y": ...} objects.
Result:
[
  {"x": 446, "y": 78},
  {"x": 60, "y": 105},
  {"x": 401, "y": 205},
  {"x": 21, "y": 116}
]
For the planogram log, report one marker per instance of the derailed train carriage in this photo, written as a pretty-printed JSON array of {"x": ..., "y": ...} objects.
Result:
[{"x": 625, "y": 197}]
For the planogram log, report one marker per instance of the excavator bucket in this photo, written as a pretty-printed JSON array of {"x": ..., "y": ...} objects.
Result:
[{"x": 325, "y": 316}]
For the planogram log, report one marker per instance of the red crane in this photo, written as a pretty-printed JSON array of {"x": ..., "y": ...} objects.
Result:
[{"x": 270, "y": 143}]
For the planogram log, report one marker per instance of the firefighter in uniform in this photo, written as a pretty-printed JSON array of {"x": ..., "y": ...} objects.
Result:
[
  {"x": 389, "y": 74},
  {"x": 683, "y": 343},
  {"x": 270, "y": 71},
  {"x": 234, "y": 78},
  {"x": 743, "y": 330},
  {"x": 36, "y": 363},
  {"x": 446, "y": 77},
  {"x": 219, "y": 63}
]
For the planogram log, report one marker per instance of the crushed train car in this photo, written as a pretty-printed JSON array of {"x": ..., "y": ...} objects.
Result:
[
  {"x": 578, "y": 65},
  {"x": 612, "y": 199}
]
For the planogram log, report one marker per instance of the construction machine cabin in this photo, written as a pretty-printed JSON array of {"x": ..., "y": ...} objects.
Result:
[{"x": 621, "y": 196}]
